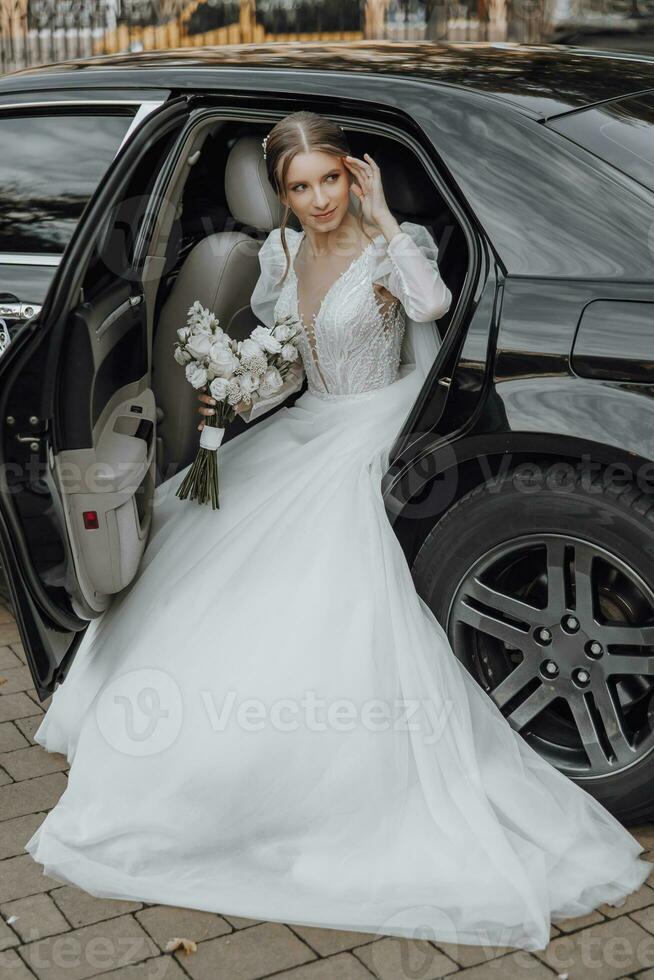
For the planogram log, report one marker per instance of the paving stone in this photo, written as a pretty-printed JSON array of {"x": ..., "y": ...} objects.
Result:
[
  {"x": 5, "y": 778},
  {"x": 37, "y": 916},
  {"x": 581, "y": 921},
  {"x": 467, "y": 955},
  {"x": 396, "y": 958},
  {"x": 605, "y": 951},
  {"x": 41, "y": 705},
  {"x": 9, "y": 634},
  {"x": 519, "y": 965},
  {"x": 7, "y": 936},
  {"x": 637, "y": 900},
  {"x": 11, "y": 737},
  {"x": 14, "y": 834},
  {"x": 17, "y": 705},
  {"x": 158, "y": 968},
  {"x": 13, "y": 968},
  {"x": 326, "y": 942},
  {"x": 247, "y": 955},
  {"x": 240, "y": 922},
  {"x": 9, "y": 658},
  {"x": 82, "y": 909},
  {"x": 22, "y": 876},
  {"x": 32, "y": 761},
  {"x": 28, "y": 726},
  {"x": 644, "y": 917},
  {"x": 163, "y": 922},
  {"x": 16, "y": 678},
  {"x": 344, "y": 966},
  {"x": 92, "y": 950},
  {"x": 31, "y": 795},
  {"x": 19, "y": 650}
]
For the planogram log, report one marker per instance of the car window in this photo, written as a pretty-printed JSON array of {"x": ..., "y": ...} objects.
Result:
[
  {"x": 621, "y": 132},
  {"x": 49, "y": 167}
]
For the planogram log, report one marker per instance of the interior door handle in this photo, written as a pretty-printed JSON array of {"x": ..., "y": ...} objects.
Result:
[
  {"x": 130, "y": 303},
  {"x": 18, "y": 310}
]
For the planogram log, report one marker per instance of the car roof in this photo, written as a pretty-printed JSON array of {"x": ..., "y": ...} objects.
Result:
[{"x": 541, "y": 79}]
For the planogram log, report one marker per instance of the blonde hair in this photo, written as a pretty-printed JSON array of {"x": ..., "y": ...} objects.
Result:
[{"x": 301, "y": 132}]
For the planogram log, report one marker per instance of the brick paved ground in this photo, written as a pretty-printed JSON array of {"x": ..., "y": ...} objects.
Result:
[{"x": 52, "y": 931}]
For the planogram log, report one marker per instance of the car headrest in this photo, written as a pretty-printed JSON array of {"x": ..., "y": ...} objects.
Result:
[{"x": 250, "y": 198}]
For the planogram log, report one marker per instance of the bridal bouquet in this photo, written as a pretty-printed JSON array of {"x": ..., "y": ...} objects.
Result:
[{"x": 231, "y": 372}]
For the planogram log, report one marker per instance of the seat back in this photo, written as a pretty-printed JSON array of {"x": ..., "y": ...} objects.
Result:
[{"x": 221, "y": 272}]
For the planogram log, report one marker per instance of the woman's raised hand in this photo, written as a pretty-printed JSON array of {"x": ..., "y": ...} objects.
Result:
[{"x": 368, "y": 188}]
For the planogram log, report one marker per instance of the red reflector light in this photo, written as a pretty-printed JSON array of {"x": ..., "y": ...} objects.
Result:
[{"x": 90, "y": 520}]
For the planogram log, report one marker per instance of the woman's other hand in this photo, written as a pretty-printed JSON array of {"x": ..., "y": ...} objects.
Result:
[{"x": 207, "y": 400}]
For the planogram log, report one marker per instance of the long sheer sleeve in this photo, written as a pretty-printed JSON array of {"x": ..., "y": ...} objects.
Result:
[
  {"x": 272, "y": 262},
  {"x": 408, "y": 268}
]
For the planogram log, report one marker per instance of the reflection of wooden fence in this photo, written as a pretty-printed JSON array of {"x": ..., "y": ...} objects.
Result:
[
  {"x": 177, "y": 33},
  {"x": 34, "y": 32}
]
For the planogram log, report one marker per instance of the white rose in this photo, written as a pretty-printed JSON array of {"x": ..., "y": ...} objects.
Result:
[
  {"x": 249, "y": 348},
  {"x": 222, "y": 362},
  {"x": 289, "y": 352},
  {"x": 196, "y": 375},
  {"x": 271, "y": 382},
  {"x": 216, "y": 349},
  {"x": 265, "y": 339},
  {"x": 283, "y": 332},
  {"x": 183, "y": 333},
  {"x": 181, "y": 356},
  {"x": 218, "y": 388},
  {"x": 199, "y": 345},
  {"x": 248, "y": 382}
]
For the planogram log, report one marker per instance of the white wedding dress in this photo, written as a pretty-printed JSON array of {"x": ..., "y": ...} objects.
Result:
[{"x": 270, "y": 722}]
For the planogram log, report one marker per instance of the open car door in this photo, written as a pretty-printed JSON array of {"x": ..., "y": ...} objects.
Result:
[{"x": 77, "y": 427}]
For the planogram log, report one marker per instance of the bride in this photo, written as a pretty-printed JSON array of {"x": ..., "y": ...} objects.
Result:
[{"x": 270, "y": 722}]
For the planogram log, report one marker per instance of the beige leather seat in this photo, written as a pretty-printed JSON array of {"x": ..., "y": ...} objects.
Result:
[{"x": 220, "y": 272}]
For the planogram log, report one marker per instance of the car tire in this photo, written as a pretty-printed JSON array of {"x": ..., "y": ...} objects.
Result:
[{"x": 574, "y": 557}]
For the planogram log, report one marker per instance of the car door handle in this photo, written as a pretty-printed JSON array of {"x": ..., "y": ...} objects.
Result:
[
  {"x": 19, "y": 311},
  {"x": 130, "y": 303}
]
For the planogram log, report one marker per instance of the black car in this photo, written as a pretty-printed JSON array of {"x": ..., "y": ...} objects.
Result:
[{"x": 520, "y": 485}]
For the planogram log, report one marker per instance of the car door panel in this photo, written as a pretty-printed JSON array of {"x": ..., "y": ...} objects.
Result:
[{"x": 75, "y": 386}]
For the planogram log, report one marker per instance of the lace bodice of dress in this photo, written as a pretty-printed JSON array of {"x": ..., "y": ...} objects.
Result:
[{"x": 354, "y": 341}]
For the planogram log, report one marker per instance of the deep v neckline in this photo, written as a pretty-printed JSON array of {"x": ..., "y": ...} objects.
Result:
[{"x": 316, "y": 316}]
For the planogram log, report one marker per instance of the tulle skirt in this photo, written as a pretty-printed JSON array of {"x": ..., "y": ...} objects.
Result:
[{"x": 270, "y": 722}]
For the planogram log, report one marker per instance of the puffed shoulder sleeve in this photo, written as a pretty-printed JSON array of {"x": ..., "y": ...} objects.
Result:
[
  {"x": 407, "y": 266},
  {"x": 272, "y": 262}
]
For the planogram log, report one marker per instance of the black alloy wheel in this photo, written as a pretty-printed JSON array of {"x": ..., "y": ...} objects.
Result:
[{"x": 546, "y": 598}]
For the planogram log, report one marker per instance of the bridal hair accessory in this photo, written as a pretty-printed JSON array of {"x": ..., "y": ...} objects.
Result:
[
  {"x": 231, "y": 372},
  {"x": 265, "y": 140}
]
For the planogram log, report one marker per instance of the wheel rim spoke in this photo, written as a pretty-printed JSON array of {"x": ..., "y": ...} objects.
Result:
[
  {"x": 635, "y": 636},
  {"x": 508, "y": 605},
  {"x": 531, "y": 706},
  {"x": 587, "y": 732},
  {"x": 625, "y": 663},
  {"x": 505, "y": 632},
  {"x": 513, "y": 684}
]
